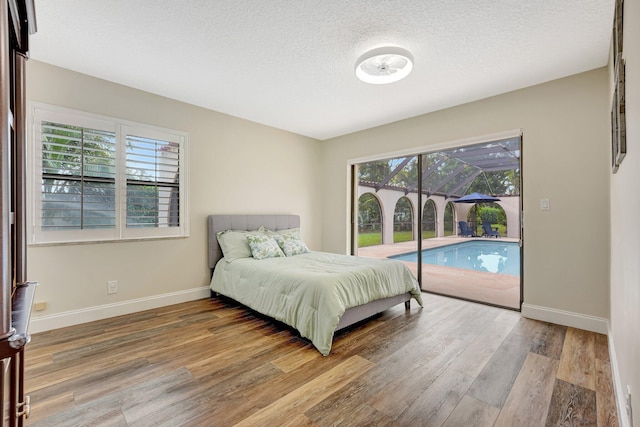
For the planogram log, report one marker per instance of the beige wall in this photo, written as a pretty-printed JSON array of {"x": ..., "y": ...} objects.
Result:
[
  {"x": 236, "y": 166},
  {"x": 625, "y": 225},
  {"x": 565, "y": 158}
]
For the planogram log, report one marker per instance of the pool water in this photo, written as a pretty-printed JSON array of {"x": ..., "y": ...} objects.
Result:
[{"x": 479, "y": 255}]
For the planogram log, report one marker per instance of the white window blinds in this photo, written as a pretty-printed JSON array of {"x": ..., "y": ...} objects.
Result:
[
  {"x": 153, "y": 182},
  {"x": 78, "y": 177},
  {"x": 97, "y": 178}
]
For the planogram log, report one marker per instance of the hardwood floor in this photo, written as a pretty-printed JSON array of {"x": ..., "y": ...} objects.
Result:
[{"x": 214, "y": 363}]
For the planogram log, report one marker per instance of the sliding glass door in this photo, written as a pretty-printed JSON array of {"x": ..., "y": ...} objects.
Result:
[{"x": 413, "y": 208}]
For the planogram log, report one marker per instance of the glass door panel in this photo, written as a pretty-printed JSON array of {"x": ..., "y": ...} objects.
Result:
[
  {"x": 483, "y": 263},
  {"x": 387, "y": 208}
]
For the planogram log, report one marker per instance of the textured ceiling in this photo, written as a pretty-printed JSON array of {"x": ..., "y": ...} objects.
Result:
[{"x": 290, "y": 64}]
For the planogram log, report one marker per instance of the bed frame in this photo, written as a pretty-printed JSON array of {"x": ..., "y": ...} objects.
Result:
[{"x": 218, "y": 223}]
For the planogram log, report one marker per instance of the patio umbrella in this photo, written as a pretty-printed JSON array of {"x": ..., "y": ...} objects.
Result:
[{"x": 476, "y": 198}]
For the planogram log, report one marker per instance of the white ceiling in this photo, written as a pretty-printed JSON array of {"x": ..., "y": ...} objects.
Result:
[{"x": 290, "y": 63}]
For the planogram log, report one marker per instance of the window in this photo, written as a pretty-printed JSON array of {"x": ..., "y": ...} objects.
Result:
[{"x": 97, "y": 178}]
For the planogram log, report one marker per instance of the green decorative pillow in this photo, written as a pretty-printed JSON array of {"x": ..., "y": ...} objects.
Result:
[
  {"x": 291, "y": 244},
  {"x": 234, "y": 244},
  {"x": 263, "y": 246}
]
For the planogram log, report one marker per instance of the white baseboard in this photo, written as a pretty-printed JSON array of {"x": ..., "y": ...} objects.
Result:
[
  {"x": 566, "y": 318},
  {"x": 618, "y": 388},
  {"x": 75, "y": 317}
]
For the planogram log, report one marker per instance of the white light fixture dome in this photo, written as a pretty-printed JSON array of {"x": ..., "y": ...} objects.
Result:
[{"x": 384, "y": 65}]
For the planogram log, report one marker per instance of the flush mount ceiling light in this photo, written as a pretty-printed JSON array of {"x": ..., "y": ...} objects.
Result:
[{"x": 384, "y": 65}]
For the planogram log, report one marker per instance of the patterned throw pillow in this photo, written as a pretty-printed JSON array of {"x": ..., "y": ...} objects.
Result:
[
  {"x": 263, "y": 246},
  {"x": 291, "y": 244}
]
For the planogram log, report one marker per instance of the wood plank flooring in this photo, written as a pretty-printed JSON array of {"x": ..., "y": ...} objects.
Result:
[{"x": 215, "y": 363}]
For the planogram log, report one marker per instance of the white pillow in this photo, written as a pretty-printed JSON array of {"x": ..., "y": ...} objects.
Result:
[{"x": 234, "y": 244}]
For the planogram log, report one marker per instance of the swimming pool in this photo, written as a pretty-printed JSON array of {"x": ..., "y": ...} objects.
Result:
[{"x": 479, "y": 255}]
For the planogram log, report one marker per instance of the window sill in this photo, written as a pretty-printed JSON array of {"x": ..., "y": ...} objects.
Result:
[{"x": 93, "y": 242}]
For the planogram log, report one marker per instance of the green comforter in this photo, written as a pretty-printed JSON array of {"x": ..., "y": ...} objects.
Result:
[{"x": 311, "y": 292}]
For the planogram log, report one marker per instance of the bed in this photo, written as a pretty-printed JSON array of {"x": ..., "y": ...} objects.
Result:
[{"x": 316, "y": 293}]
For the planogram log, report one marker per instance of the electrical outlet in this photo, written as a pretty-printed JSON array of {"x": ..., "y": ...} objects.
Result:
[
  {"x": 40, "y": 306},
  {"x": 112, "y": 287}
]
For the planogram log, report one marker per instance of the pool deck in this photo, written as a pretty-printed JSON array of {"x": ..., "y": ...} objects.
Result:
[{"x": 492, "y": 288}]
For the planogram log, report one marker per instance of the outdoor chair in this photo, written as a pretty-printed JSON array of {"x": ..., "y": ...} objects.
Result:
[
  {"x": 465, "y": 231},
  {"x": 487, "y": 231}
]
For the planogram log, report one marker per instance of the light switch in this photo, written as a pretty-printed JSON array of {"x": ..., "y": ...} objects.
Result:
[{"x": 544, "y": 204}]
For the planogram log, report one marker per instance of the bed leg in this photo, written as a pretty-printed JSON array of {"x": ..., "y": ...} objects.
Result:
[{"x": 407, "y": 305}]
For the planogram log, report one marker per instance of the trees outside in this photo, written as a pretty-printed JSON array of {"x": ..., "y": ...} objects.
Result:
[
  {"x": 429, "y": 220},
  {"x": 445, "y": 174},
  {"x": 373, "y": 171},
  {"x": 449, "y": 220},
  {"x": 491, "y": 213},
  {"x": 78, "y": 177},
  {"x": 369, "y": 221},
  {"x": 369, "y": 213},
  {"x": 403, "y": 221},
  {"x": 387, "y": 171},
  {"x": 497, "y": 182}
]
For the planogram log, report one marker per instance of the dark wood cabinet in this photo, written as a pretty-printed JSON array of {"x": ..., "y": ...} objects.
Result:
[{"x": 16, "y": 293}]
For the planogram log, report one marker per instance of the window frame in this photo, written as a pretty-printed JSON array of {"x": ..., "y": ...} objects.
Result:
[{"x": 38, "y": 113}]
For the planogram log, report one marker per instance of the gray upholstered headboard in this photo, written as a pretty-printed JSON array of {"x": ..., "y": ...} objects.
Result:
[{"x": 244, "y": 222}]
